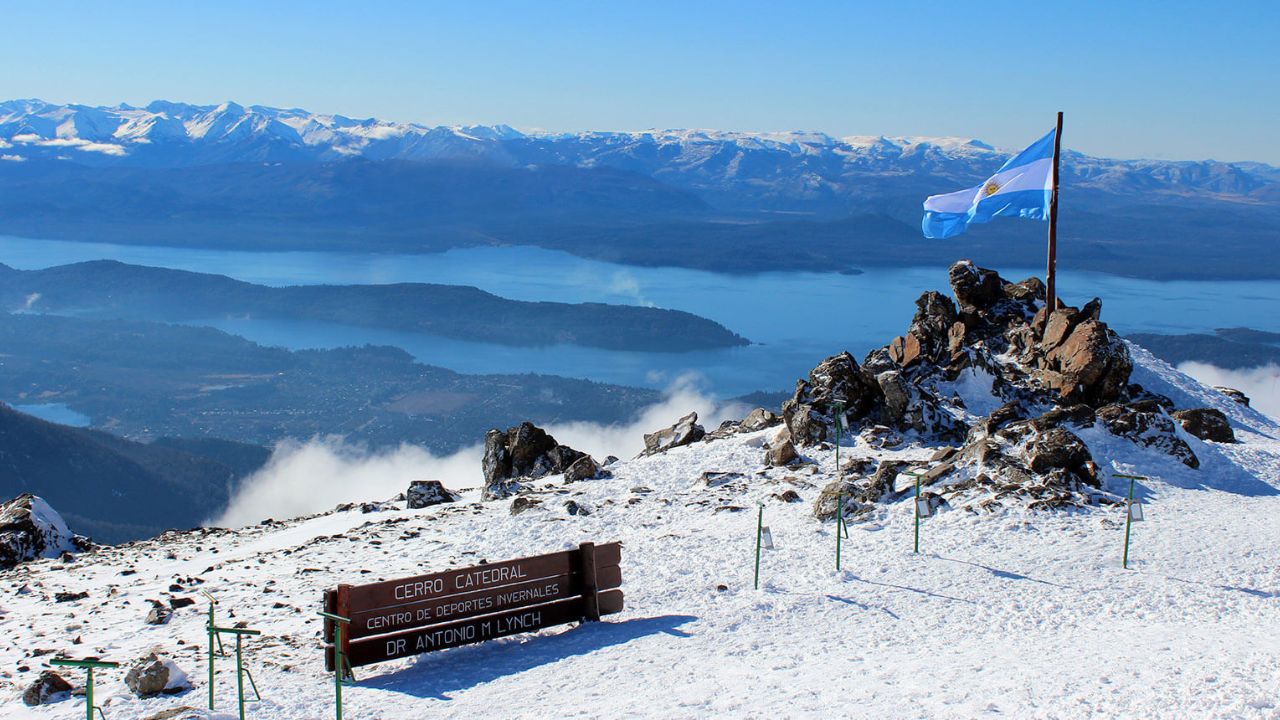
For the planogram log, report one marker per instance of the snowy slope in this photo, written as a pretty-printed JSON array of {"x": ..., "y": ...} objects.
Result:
[{"x": 1013, "y": 615}]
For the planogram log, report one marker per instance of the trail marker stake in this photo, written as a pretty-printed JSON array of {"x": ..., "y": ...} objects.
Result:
[
  {"x": 919, "y": 512},
  {"x": 89, "y": 665},
  {"x": 839, "y": 406},
  {"x": 340, "y": 659},
  {"x": 241, "y": 670},
  {"x": 759, "y": 539},
  {"x": 1129, "y": 515},
  {"x": 212, "y": 637}
]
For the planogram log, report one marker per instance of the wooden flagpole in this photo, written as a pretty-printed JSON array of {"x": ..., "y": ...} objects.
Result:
[{"x": 1051, "y": 269}]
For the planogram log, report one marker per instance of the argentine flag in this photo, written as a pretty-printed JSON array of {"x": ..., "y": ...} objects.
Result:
[{"x": 1021, "y": 188}]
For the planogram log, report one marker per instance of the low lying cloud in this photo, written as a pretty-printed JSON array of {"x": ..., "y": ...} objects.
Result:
[
  {"x": 13, "y": 158},
  {"x": 626, "y": 440},
  {"x": 1261, "y": 384},
  {"x": 313, "y": 476},
  {"x": 76, "y": 143}
]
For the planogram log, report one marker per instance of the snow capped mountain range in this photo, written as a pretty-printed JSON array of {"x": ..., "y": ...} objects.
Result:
[{"x": 734, "y": 170}]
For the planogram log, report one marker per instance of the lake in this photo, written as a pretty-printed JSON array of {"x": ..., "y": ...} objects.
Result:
[{"x": 795, "y": 318}]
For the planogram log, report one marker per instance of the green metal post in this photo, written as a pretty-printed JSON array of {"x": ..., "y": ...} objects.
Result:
[
  {"x": 88, "y": 690},
  {"x": 212, "y": 635},
  {"x": 839, "y": 525},
  {"x": 916, "y": 508},
  {"x": 340, "y": 663},
  {"x": 240, "y": 677},
  {"x": 759, "y": 534},
  {"x": 839, "y": 482},
  {"x": 1128, "y": 523}
]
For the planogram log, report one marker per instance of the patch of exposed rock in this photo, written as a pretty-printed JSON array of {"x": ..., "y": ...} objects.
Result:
[
  {"x": 30, "y": 528},
  {"x": 1206, "y": 424},
  {"x": 425, "y": 493},
  {"x": 685, "y": 431}
]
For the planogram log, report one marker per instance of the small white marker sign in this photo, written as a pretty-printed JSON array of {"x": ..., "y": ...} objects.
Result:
[
  {"x": 1135, "y": 512},
  {"x": 766, "y": 538},
  {"x": 922, "y": 507}
]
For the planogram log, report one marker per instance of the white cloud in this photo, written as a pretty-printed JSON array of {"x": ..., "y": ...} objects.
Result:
[
  {"x": 13, "y": 158},
  {"x": 1261, "y": 384},
  {"x": 625, "y": 284},
  {"x": 26, "y": 138},
  {"x": 5, "y": 144},
  {"x": 83, "y": 145},
  {"x": 627, "y": 439},
  {"x": 307, "y": 477}
]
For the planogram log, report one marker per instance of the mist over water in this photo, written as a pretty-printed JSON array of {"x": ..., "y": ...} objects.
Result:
[{"x": 305, "y": 477}]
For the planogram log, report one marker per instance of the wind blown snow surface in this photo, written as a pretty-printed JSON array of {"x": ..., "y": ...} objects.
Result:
[{"x": 1011, "y": 615}]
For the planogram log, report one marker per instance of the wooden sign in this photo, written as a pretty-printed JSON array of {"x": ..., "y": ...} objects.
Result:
[{"x": 408, "y": 616}]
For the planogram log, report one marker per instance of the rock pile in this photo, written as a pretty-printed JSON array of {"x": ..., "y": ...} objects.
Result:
[
  {"x": 1051, "y": 369},
  {"x": 526, "y": 452}
]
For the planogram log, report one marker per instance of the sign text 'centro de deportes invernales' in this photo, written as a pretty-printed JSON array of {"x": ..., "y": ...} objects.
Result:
[{"x": 399, "y": 618}]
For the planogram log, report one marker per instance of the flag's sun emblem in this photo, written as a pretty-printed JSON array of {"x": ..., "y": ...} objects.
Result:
[{"x": 990, "y": 189}]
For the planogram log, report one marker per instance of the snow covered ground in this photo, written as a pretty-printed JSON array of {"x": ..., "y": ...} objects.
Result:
[{"x": 1011, "y": 615}]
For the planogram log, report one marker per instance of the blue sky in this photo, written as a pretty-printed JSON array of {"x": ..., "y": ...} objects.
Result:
[{"x": 1168, "y": 79}]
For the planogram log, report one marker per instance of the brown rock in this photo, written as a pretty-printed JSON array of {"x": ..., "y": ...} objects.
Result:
[
  {"x": 1206, "y": 424},
  {"x": 45, "y": 687}
]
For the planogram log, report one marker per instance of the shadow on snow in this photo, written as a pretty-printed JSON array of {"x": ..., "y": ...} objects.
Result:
[{"x": 434, "y": 675}]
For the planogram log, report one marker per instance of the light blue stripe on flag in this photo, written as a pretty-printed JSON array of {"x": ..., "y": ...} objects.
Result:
[{"x": 1022, "y": 187}]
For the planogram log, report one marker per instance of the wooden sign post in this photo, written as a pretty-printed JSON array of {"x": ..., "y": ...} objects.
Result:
[{"x": 400, "y": 618}]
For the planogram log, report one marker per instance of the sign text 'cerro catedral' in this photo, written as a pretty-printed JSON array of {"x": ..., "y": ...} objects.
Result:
[{"x": 399, "y": 618}]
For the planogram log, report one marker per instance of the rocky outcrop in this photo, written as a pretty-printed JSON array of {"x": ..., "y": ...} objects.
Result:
[
  {"x": 154, "y": 675},
  {"x": 1149, "y": 427},
  {"x": 686, "y": 430},
  {"x": 46, "y": 688},
  {"x": 837, "y": 381},
  {"x": 425, "y": 493},
  {"x": 30, "y": 528},
  {"x": 524, "y": 451},
  {"x": 1206, "y": 424}
]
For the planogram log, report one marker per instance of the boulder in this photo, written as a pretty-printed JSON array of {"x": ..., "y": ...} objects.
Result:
[
  {"x": 686, "y": 430},
  {"x": 584, "y": 468},
  {"x": 425, "y": 493},
  {"x": 781, "y": 452},
  {"x": 524, "y": 451},
  {"x": 45, "y": 689},
  {"x": 1206, "y": 424},
  {"x": 758, "y": 419},
  {"x": 1148, "y": 429},
  {"x": 1234, "y": 394},
  {"x": 30, "y": 528},
  {"x": 975, "y": 288},
  {"x": 1057, "y": 448},
  {"x": 159, "y": 615},
  {"x": 154, "y": 675},
  {"x": 1090, "y": 365}
]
